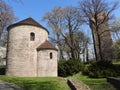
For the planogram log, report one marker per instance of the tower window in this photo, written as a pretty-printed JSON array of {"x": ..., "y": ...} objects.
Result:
[
  {"x": 51, "y": 55},
  {"x": 32, "y": 36}
]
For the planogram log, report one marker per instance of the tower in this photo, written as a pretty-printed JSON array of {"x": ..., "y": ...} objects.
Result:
[{"x": 29, "y": 52}]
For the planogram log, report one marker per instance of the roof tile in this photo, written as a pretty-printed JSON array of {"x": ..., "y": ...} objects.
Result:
[
  {"x": 28, "y": 21},
  {"x": 47, "y": 45}
]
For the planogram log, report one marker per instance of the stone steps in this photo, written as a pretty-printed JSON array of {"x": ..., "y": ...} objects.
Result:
[{"x": 77, "y": 85}]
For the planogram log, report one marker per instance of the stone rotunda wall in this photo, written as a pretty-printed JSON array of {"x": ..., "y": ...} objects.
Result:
[{"x": 22, "y": 53}]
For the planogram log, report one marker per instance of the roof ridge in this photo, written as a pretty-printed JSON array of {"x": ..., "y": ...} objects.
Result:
[{"x": 27, "y": 21}]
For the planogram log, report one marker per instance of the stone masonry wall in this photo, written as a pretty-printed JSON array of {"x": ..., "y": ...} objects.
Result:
[
  {"x": 47, "y": 66},
  {"x": 21, "y": 53}
]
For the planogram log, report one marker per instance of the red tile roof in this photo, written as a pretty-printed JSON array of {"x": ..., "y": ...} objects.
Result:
[
  {"x": 46, "y": 45},
  {"x": 28, "y": 21}
]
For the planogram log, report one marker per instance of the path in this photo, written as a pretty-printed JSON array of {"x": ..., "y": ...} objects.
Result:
[{"x": 8, "y": 86}]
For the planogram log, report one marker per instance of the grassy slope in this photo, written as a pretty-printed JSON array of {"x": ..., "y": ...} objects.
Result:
[
  {"x": 56, "y": 83},
  {"x": 41, "y": 83},
  {"x": 117, "y": 62},
  {"x": 94, "y": 84}
]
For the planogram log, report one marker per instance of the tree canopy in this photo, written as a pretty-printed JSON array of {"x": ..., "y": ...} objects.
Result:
[
  {"x": 66, "y": 23},
  {"x": 97, "y": 13},
  {"x": 6, "y": 16}
]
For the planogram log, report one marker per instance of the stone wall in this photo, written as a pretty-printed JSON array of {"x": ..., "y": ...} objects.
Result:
[
  {"x": 114, "y": 81},
  {"x": 21, "y": 53},
  {"x": 47, "y": 66},
  {"x": 2, "y": 56},
  {"x": 77, "y": 85}
]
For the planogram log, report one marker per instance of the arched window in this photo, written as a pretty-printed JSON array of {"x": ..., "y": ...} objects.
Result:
[
  {"x": 32, "y": 36},
  {"x": 51, "y": 55}
]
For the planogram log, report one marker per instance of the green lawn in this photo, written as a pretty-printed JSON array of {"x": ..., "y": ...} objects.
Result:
[
  {"x": 38, "y": 83},
  {"x": 116, "y": 62},
  {"x": 94, "y": 84},
  {"x": 56, "y": 83}
]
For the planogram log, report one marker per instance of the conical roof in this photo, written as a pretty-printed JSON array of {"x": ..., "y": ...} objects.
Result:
[
  {"x": 28, "y": 21},
  {"x": 46, "y": 45}
]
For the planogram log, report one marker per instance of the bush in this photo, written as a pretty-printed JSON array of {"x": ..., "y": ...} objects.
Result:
[
  {"x": 101, "y": 69},
  {"x": 2, "y": 70},
  {"x": 61, "y": 68},
  {"x": 85, "y": 71},
  {"x": 69, "y": 67}
]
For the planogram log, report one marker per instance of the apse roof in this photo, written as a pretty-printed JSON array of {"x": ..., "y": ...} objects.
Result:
[{"x": 46, "y": 45}]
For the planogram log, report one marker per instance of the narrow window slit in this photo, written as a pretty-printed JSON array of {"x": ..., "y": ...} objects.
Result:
[
  {"x": 51, "y": 55},
  {"x": 32, "y": 36}
]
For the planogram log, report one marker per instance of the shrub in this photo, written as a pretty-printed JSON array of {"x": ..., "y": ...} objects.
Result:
[
  {"x": 85, "y": 71},
  {"x": 101, "y": 69},
  {"x": 61, "y": 68},
  {"x": 69, "y": 67},
  {"x": 2, "y": 70}
]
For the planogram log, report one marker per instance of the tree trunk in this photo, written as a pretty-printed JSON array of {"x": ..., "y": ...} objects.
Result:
[
  {"x": 94, "y": 41},
  {"x": 87, "y": 54}
]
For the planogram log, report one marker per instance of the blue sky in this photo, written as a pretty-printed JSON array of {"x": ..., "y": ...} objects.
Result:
[{"x": 37, "y": 8}]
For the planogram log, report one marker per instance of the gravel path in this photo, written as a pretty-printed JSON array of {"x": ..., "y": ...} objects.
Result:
[{"x": 8, "y": 86}]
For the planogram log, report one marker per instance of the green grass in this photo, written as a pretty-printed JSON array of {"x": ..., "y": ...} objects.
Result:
[
  {"x": 94, "y": 84},
  {"x": 56, "y": 83},
  {"x": 116, "y": 62},
  {"x": 38, "y": 83}
]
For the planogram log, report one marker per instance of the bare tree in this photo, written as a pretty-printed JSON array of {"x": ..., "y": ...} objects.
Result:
[
  {"x": 54, "y": 19},
  {"x": 66, "y": 24},
  {"x": 116, "y": 49},
  {"x": 116, "y": 36},
  {"x": 80, "y": 44},
  {"x": 6, "y": 17},
  {"x": 97, "y": 13},
  {"x": 116, "y": 29}
]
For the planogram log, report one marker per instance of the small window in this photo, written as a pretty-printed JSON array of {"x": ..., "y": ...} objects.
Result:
[
  {"x": 32, "y": 36},
  {"x": 51, "y": 55}
]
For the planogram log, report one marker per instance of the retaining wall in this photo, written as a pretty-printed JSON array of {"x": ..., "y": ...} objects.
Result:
[{"x": 114, "y": 81}]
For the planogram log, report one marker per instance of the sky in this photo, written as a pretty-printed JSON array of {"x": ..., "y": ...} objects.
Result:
[{"x": 37, "y": 8}]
